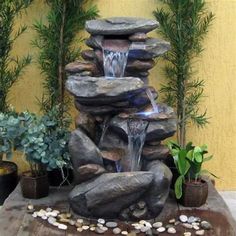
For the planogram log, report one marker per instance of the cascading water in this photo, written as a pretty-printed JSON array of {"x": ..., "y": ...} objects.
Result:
[
  {"x": 152, "y": 100},
  {"x": 136, "y": 137},
  {"x": 105, "y": 126},
  {"x": 114, "y": 63}
]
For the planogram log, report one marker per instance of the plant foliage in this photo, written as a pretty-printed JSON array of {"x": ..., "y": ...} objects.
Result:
[
  {"x": 55, "y": 40},
  {"x": 184, "y": 23},
  {"x": 11, "y": 68},
  {"x": 188, "y": 161}
]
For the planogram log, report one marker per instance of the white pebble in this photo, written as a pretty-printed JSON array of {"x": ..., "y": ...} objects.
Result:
[
  {"x": 171, "y": 230},
  {"x": 80, "y": 221},
  {"x": 48, "y": 209},
  {"x": 92, "y": 228},
  {"x": 99, "y": 225},
  {"x": 147, "y": 224},
  {"x": 187, "y": 226},
  {"x": 183, "y": 218},
  {"x": 172, "y": 221},
  {"x": 142, "y": 222},
  {"x": 30, "y": 207},
  {"x": 79, "y": 229},
  {"x": 44, "y": 217},
  {"x": 124, "y": 232},
  {"x": 55, "y": 224},
  {"x": 196, "y": 227},
  {"x": 34, "y": 215},
  {"x": 157, "y": 224},
  {"x": 72, "y": 222},
  {"x": 85, "y": 227},
  {"x": 200, "y": 232},
  {"x": 161, "y": 229},
  {"x": 62, "y": 226},
  {"x": 51, "y": 220},
  {"x": 101, "y": 221},
  {"x": 187, "y": 233},
  {"x": 116, "y": 231}
]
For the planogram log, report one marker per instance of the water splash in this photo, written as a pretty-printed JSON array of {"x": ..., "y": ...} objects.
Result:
[
  {"x": 152, "y": 100},
  {"x": 105, "y": 126},
  {"x": 114, "y": 63},
  {"x": 136, "y": 137}
]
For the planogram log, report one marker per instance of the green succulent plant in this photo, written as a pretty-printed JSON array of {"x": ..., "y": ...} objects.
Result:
[{"x": 188, "y": 161}]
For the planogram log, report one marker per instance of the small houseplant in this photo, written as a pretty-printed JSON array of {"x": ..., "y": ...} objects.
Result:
[
  {"x": 44, "y": 144},
  {"x": 11, "y": 133},
  {"x": 190, "y": 188}
]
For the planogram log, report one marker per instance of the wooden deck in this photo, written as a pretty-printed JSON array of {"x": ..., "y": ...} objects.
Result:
[{"x": 15, "y": 221}]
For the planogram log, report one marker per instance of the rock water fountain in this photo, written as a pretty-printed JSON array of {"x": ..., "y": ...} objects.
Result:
[{"x": 116, "y": 148}]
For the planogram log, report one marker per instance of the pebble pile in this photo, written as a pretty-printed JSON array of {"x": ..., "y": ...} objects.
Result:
[{"x": 63, "y": 220}]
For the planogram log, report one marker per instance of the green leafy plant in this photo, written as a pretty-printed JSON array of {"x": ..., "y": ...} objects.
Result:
[
  {"x": 188, "y": 161},
  {"x": 184, "y": 23},
  {"x": 11, "y": 133},
  {"x": 45, "y": 142},
  {"x": 55, "y": 40},
  {"x": 11, "y": 68}
]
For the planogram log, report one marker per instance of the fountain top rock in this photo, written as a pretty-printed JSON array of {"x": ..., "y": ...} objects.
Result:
[
  {"x": 90, "y": 87},
  {"x": 120, "y": 26}
]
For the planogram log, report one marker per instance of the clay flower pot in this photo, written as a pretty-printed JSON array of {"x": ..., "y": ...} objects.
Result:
[
  {"x": 194, "y": 193},
  {"x": 34, "y": 187}
]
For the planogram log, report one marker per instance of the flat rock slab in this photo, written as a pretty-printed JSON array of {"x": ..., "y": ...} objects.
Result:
[
  {"x": 91, "y": 87},
  {"x": 120, "y": 26}
]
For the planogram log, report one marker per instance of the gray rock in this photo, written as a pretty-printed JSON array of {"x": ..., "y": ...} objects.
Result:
[
  {"x": 91, "y": 87},
  {"x": 120, "y": 26},
  {"x": 89, "y": 171},
  {"x": 159, "y": 152},
  {"x": 141, "y": 205},
  {"x": 116, "y": 230},
  {"x": 149, "y": 49},
  {"x": 83, "y": 151},
  {"x": 157, "y": 130},
  {"x": 140, "y": 65},
  {"x": 138, "y": 37},
  {"x": 206, "y": 225},
  {"x": 108, "y": 194},
  {"x": 140, "y": 213},
  {"x": 158, "y": 193},
  {"x": 111, "y": 224},
  {"x": 192, "y": 219}
]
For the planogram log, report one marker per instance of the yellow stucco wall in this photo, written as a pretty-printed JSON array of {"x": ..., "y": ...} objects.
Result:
[{"x": 217, "y": 66}]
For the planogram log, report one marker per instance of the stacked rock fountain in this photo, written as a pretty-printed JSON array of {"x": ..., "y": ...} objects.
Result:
[{"x": 116, "y": 149}]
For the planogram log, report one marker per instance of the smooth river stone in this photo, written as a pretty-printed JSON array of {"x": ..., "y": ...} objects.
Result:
[
  {"x": 120, "y": 26},
  {"x": 108, "y": 194},
  {"x": 101, "y": 86}
]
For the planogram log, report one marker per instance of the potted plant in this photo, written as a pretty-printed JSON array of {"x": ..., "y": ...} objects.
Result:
[
  {"x": 190, "y": 188},
  {"x": 34, "y": 183},
  {"x": 44, "y": 144},
  {"x": 11, "y": 68},
  {"x": 59, "y": 169},
  {"x": 11, "y": 133}
]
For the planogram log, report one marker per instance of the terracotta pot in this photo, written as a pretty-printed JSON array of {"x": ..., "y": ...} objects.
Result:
[
  {"x": 194, "y": 194},
  {"x": 34, "y": 187},
  {"x": 8, "y": 181}
]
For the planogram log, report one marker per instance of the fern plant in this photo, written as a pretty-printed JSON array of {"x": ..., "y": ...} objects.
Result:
[
  {"x": 11, "y": 68},
  {"x": 184, "y": 23},
  {"x": 55, "y": 40}
]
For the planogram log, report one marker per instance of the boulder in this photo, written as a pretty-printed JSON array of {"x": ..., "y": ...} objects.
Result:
[
  {"x": 120, "y": 26},
  {"x": 83, "y": 151},
  {"x": 158, "y": 193},
  {"x": 108, "y": 194}
]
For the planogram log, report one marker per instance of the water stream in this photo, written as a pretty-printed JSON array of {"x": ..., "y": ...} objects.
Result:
[
  {"x": 152, "y": 100},
  {"x": 105, "y": 126},
  {"x": 136, "y": 137},
  {"x": 114, "y": 63}
]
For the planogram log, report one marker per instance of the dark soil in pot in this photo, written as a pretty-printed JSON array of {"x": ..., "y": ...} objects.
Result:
[
  {"x": 8, "y": 179},
  {"x": 194, "y": 193},
  {"x": 55, "y": 177},
  {"x": 34, "y": 187}
]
